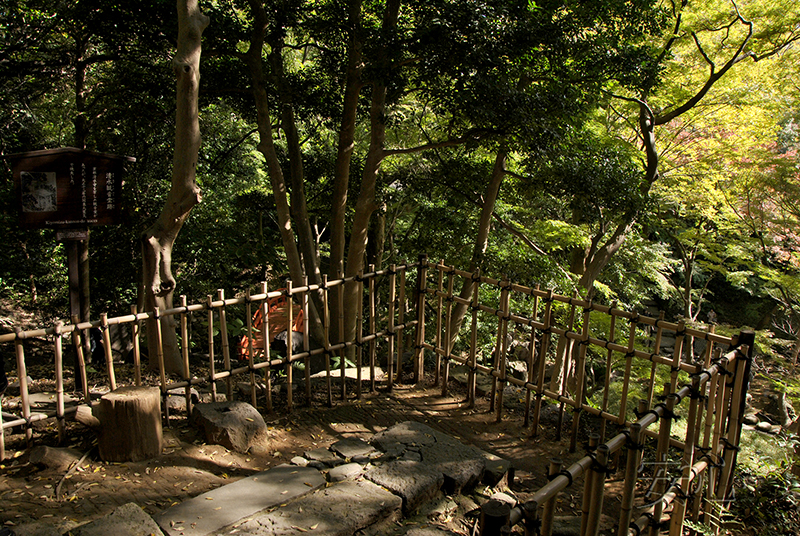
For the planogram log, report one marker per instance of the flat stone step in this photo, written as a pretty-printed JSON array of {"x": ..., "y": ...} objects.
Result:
[{"x": 211, "y": 511}]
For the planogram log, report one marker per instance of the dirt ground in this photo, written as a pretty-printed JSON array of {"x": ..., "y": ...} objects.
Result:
[{"x": 188, "y": 466}]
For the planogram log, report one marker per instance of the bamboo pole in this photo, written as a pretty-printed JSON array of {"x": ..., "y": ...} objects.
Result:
[
  {"x": 662, "y": 460},
  {"x": 679, "y": 505},
  {"x": 326, "y": 342},
  {"x": 59, "y": 366},
  {"x": 711, "y": 414},
  {"x": 599, "y": 469},
  {"x": 248, "y": 314},
  {"x": 549, "y": 510},
  {"x": 623, "y": 403},
  {"x": 267, "y": 350},
  {"x": 112, "y": 379},
  {"x": 342, "y": 354},
  {"x": 81, "y": 372},
  {"x": 558, "y": 383},
  {"x": 307, "y": 343},
  {"x": 499, "y": 378},
  {"x": 580, "y": 371},
  {"x": 473, "y": 347},
  {"x": 226, "y": 350},
  {"x": 422, "y": 287},
  {"x": 289, "y": 345},
  {"x": 185, "y": 354},
  {"x": 631, "y": 475},
  {"x": 401, "y": 319},
  {"x": 548, "y": 312},
  {"x": 607, "y": 380},
  {"x": 372, "y": 328},
  {"x": 160, "y": 355},
  {"x": 448, "y": 337},
  {"x": 676, "y": 355},
  {"x": 136, "y": 330},
  {"x": 212, "y": 375},
  {"x": 390, "y": 327},
  {"x": 438, "y": 338},
  {"x": 359, "y": 331},
  {"x": 531, "y": 359},
  {"x": 734, "y": 422},
  {"x": 656, "y": 349},
  {"x": 588, "y": 485}
]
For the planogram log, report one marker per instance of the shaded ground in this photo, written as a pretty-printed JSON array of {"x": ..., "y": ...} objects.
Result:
[{"x": 188, "y": 466}]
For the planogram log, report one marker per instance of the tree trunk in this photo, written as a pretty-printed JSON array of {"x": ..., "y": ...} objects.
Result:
[{"x": 158, "y": 240}]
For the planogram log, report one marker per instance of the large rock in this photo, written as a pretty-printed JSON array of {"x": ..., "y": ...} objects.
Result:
[
  {"x": 234, "y": 425},
  {"x": 417, "y": 483},
  {"x": 127, "y": 520}
]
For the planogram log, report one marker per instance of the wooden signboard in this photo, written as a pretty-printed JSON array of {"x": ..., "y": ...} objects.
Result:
[{"x": 67, "y": 187}]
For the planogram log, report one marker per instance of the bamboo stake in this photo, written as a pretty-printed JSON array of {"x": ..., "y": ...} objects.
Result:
[
  {"x": 448, "y": 337},
  {"x": 662, "y": 459},
  {"x": 59, "y": 365},
  {"x": 607, "y": 380},
  {"x": 438, "y": 338},
  {"x": 212, "y": 375},
  {"x": 307, "y": 343},
  {"x": 499, "y": 378},
  {"x": 342, "y": 354},
  {"x": 76, "y": 342},
  {"x": 107, "y": 347},
  {"x": 136, "y": 330},
  {"x": 679, "y": 505},
  {"x": 390, "y": 327},
  {"x": 160, "y": 355},
  {"x": 711, "y": 415},
  {"x": 372, "y": 328},
  {"x": 656, "y": 349},
  {"x": 734, "y": 422},
  {"x": 248, "y": 314},
  {"x": 598, "y": 485},
  {"x": 326, "y": 342},
  {"x": 549, "y": 510},
  {"x": 267, "y": 349},
  {"x": 548, "y": 312},
  {"x": 580, "y": 371},
  {"x": 422, "y": 286},
  {"x": 588, "y": 485},
  {"x": 401, "y": 318},
  {"x": 676, "y": 355},
  {"x": 359, "y": 331},
  {"x": 473, "y": 347},
  {"x": 631, "y": 475},
  {"x": 558, "y": 383},
  {"x": 531, "y": 359},
  {"x": 289, "y": 345},
  {"x": 623, "y": 403},
  {"x": 226, "y": 350},
  {"x": 185, "y": 354}
]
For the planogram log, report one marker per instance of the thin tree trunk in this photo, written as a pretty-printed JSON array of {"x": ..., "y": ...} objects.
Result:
[{"x": 158, "y": 240}]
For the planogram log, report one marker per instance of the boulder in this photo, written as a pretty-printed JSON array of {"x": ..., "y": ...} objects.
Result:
[{"x": 234, "y": 425}]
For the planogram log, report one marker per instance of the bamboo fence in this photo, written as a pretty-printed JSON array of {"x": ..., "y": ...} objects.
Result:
[{"x": 566, "y": 340}]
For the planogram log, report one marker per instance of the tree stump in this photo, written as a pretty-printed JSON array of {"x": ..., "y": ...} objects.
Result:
[{"x": 130, "y": 424}]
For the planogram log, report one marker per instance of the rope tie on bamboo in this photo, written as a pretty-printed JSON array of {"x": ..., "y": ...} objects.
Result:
[
  {"x": 389, "y": 271},
  {"x": 636, "y": 530},
  {"x": 506, "y": 286},
  {"x": 476, "y": 277},
  {"x": 630, "y": 443},
  {"x": 730, "y": 446},
  {"x": 563, "y": 472},
  {"x": 358, "y": 278},
  {"x": 680, "y": 332},
  {"x": 599, "y": 467},
  {"x": 666, "y": 413},
  {"x": 630, "y": 354},
  {"x": 634, "y": 318}
]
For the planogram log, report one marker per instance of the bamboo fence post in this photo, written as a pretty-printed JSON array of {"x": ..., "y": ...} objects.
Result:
[
  {"x": 81, "y": 372},
  {"x": 248, "y": 314},
  {"x": 448, "y": 337},
  {"x": 708, "y": 433},
  {"x": 473, "y": 350},
  {"x": 662, "y": 460},
  {"x": 160, "y": 355},
  {"x": 359, "y": 331},
  {"x": 438, "y": 338},
  {"x": 676, "y": 356},
  {"x": 612, "y": 332},
  {"x": 390, "y": 328},
  {"x": 580, "y": 371},
  {"x": 136, "y": 330},
  {"x": 422, "y": 288},
  {"x": 59, "y": 366},
  {"x": 499, "y": 375},
  {"x": 372, "y": 328},
  {"x": 626, "y": 380},
  {"x": 531, "y": 359},
  {"x": 185, "y": 354},
  {"x": 679, "y": 505},
  {"x": 226, "y": 350},
  {"x": 289, "y": 344},
  {"x": 558, "y": 383},
  {"x": 307, "y": 344},
  {"x": 342, "y": 352},
  {"x": 212, "y": 375},
  {"x": 549, "y": 508},
  {"x": 656, "y": 349},
  {"x": 112, "y": 379},
  {"x": 267, "y": 350},
  {"x": 548, "y": 313},
  {"x": 631, "y": 475},
  {"x": 401, "y": 319},
  {"x": 588, "y": 484},
  {"x": 599, "y": 469},
  {"x": 701, "y": 421},
  {"x": 737, "y": 405},
  {"x": 326, "y": 342}
]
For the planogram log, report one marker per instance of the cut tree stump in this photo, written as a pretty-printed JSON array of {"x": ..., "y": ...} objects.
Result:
[{"x": 130, "y": 424}]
